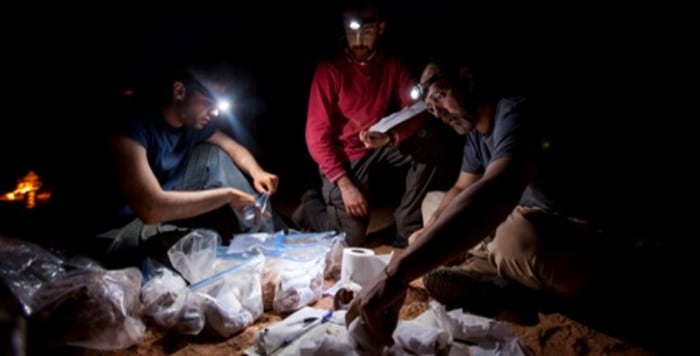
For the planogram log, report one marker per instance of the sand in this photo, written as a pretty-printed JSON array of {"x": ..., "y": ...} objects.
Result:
[{"x": 553, "y": 334}]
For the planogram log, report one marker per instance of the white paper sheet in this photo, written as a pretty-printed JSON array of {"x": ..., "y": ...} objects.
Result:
[
  {"x": 477, "y": 335},
  {"x": 398, "y": 117}
]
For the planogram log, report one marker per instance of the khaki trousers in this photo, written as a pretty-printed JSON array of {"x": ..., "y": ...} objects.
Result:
[{"x": 536, "y": 248}]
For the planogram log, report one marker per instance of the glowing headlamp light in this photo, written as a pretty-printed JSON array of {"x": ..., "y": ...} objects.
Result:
[
  {"x": 356, "y": 23},
  {"x": 223, "y": 105},
  {"x": 421, "y": 89}
]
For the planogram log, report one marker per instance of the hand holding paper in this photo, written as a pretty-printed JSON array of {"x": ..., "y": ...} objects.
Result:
[
  {"x": 398, "y": 117},
  {"x": 373, "y": 139}
]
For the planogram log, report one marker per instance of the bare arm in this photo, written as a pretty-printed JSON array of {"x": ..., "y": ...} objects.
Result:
[
  {"x": 153, "y": 204},
  {"x": 472, "y": 214},
  {"x": 353, "y": 199},
  {"x": 262, "y": 180},
  {"x": 243, "y": 158}
]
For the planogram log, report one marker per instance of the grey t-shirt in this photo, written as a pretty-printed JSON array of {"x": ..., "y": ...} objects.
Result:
[{"x": 519, "y": 132}]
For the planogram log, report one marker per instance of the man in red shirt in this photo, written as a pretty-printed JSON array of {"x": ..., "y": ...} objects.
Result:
[{"x": 348, "y": 95}]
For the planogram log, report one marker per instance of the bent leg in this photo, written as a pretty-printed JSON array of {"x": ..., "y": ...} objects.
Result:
[
  {"x": 128, "y": 245},
  {"x": 430, "y": 204},
  {"x": 354, "y": 227},
  {"x": 541, "y": 250},
  {"x": 420, "y": 155},
  {"x": 211, "y": 167}
]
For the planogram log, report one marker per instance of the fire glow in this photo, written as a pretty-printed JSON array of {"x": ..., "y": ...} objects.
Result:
[{"x": 28, "y": 191}]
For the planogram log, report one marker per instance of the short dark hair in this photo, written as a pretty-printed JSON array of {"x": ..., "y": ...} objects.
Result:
[
  {"x": 201, "y": 70},
  {"x": 193, "y": 70},
  {"x": 456, "y": 72}
]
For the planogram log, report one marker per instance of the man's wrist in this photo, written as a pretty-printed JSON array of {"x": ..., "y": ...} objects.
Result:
[
  {"x": 343, "y": 181},
  {"x": 392, "y": 276}
]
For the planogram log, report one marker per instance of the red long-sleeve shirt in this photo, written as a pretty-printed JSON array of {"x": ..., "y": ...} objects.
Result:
[{"x": 348, "y": 96}]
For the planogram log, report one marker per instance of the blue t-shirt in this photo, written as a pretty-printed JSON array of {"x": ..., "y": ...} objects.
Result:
[
  {"x": 521, "y": 131},
  {"x": 167, "y": 149}
]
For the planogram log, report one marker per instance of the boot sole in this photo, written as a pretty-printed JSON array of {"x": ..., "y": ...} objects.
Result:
[{"x": 457, "y": 289}]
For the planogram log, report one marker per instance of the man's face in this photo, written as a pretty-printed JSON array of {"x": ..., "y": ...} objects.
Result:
[
  {"x": 446, "y": 103},
  {"x": 198, "y": 108},
  {"x": 362, "y": 41}
]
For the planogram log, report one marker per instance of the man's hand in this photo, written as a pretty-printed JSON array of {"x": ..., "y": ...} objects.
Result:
[
  {"x": 374, "y": 139},
  {"x": 240, "y": 199},
  {"x": 354, "y": 201},
  {"x": 265, "y": 182},
  {"x": 378, "y": 304}
]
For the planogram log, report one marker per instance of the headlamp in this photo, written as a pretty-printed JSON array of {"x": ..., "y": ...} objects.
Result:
[
  {"x": 421, "y": 89},
  {"x": 355, "y": 23},
  {"x": 222, "y": 104}
]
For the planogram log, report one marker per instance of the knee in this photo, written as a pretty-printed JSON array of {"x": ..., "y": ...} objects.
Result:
[
  {"x": 511, "y": 249},
  {"x": 430, "y": 204},
  {"x": 355, "y": 238},
  {"x": 206, "y": 151}
]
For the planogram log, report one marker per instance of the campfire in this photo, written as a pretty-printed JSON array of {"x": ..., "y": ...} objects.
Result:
[{"x": 28, "y": 191}]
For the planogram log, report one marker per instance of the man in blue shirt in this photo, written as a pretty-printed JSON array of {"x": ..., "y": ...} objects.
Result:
[{"x": 176, "y": 169}]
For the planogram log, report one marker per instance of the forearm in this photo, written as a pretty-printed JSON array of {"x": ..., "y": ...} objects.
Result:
[
  {"x": 176, "y": 205},
  {"x": 344, "y": 182},
  {"x": 247, "y": 163},
  {"x": 239, "y": 154}
]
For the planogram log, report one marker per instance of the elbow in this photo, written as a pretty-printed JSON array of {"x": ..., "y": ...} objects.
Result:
[
  {"x": 150, "y": 219},
  {"x": 148, "y": 214}
]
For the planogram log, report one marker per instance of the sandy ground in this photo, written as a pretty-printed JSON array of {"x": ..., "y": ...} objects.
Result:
[
  {"x": 553, "y": 334},
  {"x": 590, "y": 330}
]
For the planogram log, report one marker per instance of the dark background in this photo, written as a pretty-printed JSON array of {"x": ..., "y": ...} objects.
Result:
[
  {"x": 66, "y": 67},
  {"x": 616, "y": 75}
]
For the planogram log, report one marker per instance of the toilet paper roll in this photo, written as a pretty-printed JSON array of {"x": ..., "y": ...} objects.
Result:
[{"x": 361, "y": 265}]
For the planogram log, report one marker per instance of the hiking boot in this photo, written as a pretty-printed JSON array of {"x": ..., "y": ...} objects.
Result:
[
  {"x": 299, "y": 215},
  {"x": 483, "y": 294},
  {"x": 298, "y": 218},
  {"x": 456, "y": 287}
]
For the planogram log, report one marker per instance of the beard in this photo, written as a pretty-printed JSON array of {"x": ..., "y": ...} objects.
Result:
[
  {"x": 460, "y": 123},
  {"x": 361, "y": 52}
]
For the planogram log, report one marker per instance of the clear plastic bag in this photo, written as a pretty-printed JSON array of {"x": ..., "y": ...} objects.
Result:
[
  {"x": 295, "y": 266},
  {"x": 92, "y": 308},
  {"x": 231, "y": 298},
  {"x": 25, "y": 267},
  {"x": 193, "y": 255},
  {"x": 297, "y": 274},
  {"x": 258, "y": 217},
  {"x": 75, "y": 301},
  {"x": 295, "y": 237},
  {"x": 168, "y": 302},
  {"x": 241, "y": 243}
]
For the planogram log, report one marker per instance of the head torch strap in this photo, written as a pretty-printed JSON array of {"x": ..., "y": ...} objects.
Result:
[
  {"x": 422, "y": 88},
  {"x": 361, "y": 21}
]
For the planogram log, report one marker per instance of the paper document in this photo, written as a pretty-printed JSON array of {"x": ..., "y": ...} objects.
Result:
[
  {"x": 435, "y": 331},
  {"x": 398, "y": 117}
]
